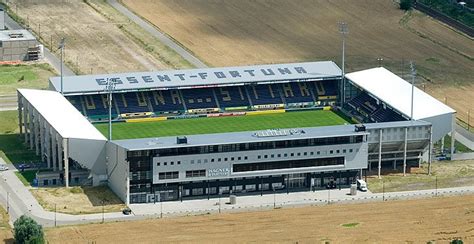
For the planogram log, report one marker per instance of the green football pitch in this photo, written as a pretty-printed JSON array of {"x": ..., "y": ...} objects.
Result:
[{"x": 222, "y": 124}]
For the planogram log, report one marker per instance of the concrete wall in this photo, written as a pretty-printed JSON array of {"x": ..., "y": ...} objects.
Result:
[
  {"x": 442, "y": 125},
  {"x": 14, "y": 50},
  {"x": 117, "y": 170}
]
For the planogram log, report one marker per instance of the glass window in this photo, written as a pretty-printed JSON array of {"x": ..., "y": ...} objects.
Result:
[
  {"x": 239, "y": 158},
  {"x": 232, "y": 159},
  {"x": 338, "y": 151},
  {"x": 225, "y": 159},
  {"x": 179, "y": 162},
  {"x": 196, "y": 173},
  {"x": 311, "y": 153},
  {"x": 205, "y": 160},
  {"x": 285, "y": 155},
  {"x": 171, "y": 163},
  {"x": 219, "y": 159},
  {"x": 343, "y": 150},
  {"x": 350, "y": 150},
  {"x": 199, "y": 161},
  {"x": 259, "y": 156},
  {"x": 265, "y": 156},
  {"x": 331, "y": 152},
  {"x": 157, "y": 164},
  {"x": 245, "y": 157},
  {"x": 212, "y": 160},
  {"x": 272, "y": 156},
  {"x": 318, "y": 152},
  {"x": 305, "y": 153},
  {"x": 298, "y": 154},
  {"x": 167, "y": 163},
  {"x": 279, "y": 155},
  {"x": 292, "y": 154}
]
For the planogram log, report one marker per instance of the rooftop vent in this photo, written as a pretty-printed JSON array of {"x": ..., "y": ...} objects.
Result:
[
  {"x": 15, "y": 35},
  {"x": 181, "y": 140},
  {"x": 359, "y": 127}
]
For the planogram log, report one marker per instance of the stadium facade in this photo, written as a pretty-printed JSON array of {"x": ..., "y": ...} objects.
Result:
[{"x": 249, "y": 162}]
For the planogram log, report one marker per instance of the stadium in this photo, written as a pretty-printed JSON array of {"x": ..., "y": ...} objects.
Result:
[{"x": 185, "y": 134}]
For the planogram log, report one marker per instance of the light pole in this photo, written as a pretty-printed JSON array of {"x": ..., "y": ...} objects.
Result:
[
  {"x": 468, "y": 117},
  {"x": 61, "y": 46},
  {"x": 161, "y": 208},
  {"x": 343, "y": 29},
  {"x": 274, "y": 198},
  {"x": 55, "y": 215},
  {"x": 329, "y": 195},
  {"x": 383, "y": 191},
  {"x": 219, "y": 201},
  {"x": 102, "y": 211},
  {"x": 413, "y": 75},
  {"x": 110, "y": 87},
  {"x": 436, "y": 185},
  {"x": 8, "y": 204}
]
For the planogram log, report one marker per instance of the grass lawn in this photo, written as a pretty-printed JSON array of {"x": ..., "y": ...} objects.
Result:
[
  {"x": 26, "y": 177},
  {"x": 8, "y": 122},
  {"x": 222, "y": 124},
  {"x": 24, "y": 76},
  {"x": 444, "y": 174},
  {"x": 12, "y": 148}
]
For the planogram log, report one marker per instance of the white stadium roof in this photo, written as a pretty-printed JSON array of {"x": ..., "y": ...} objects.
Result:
[
  {"x": 61, "y": 114},
  {"x": 396, "y": 92},
  {"x": 194, "y": 78}
]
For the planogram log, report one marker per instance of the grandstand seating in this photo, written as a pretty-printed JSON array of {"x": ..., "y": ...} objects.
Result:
[
  {"x": 326, "y": 88},
  {"x": 133, "y": 102},
  {"x": 232, "y": 96},
  {"x": 367, "y": 107},
  {"x": 178, "y": 101},
  {"x": 199, "y": 98},
  {"x": 297, "y": 92},
  {"x": 96, "y": 105},
  {"x": 166, "y": 101},
  {"x": 264, "y": 94}
]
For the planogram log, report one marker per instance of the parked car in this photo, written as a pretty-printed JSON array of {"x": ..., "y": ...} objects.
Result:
[
  {"x": 361, "y": 185},
  {"x": 3, "y": 167},
  {"x": 24, "y": 166}
]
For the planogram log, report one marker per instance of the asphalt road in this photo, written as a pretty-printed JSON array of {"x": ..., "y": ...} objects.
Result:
[{"x": 158, "y": 34}]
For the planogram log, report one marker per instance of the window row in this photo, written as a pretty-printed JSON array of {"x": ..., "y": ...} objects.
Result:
[{"x": 168, "y": 175}]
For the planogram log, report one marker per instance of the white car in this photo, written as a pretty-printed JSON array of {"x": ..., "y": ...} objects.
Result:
[{"x": 3, "y": 167}]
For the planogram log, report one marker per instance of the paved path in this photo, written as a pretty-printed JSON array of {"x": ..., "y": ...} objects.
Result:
[
  {"x": 158, "y": 34},
  {"x": 465, "y": 137}
]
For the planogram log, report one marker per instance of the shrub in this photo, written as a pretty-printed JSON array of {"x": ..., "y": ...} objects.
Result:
[
  {"x": 26, "y": 230},
  {"x": 406, "y": 4}
]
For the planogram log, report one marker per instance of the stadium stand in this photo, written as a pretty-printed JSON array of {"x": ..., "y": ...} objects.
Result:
[
  {"x": 264, "y": 94},
  {"x": 199, "y": 98},
  {"x": 166, "y": 101},
  {"x": 205, "y": 100},
  {"x": 232, "y": 96},
  {"x": 370, "y": 110}
]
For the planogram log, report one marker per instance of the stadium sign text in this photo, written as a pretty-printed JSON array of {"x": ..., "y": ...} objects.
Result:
[
  {"x": 184, "y": 76},
  {"x": 218, "y": 172}
]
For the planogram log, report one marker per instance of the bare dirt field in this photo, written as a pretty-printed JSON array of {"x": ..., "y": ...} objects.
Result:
[
  {"x": 413, "y": 221},
  {"x": 258, "y": 31},
  {"x": 93, "y": 43},
  {"x": 78, "y": 200}
]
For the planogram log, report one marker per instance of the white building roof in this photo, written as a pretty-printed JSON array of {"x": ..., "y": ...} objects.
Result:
[
  {"x": 61, "y": 114},
  {"x": 396, "y": 92},
  {"x": 195, "y": 78}
]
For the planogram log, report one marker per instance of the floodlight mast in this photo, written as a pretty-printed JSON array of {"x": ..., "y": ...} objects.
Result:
[
  {"x": 110, "y": 87},
  {"x": 413, "y": 75},
  {"x": 344, "y": 30},
  {"x": 61, "y": 46}
]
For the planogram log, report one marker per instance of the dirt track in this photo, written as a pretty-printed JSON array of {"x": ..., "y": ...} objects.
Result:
[
  {"x": 414, "y": 221},
  {"x": 248, "y": 32}
]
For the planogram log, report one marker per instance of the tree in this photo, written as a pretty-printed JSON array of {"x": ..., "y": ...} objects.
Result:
[
  {"x": 406, "y": 4},
  {"x": 27, "y": 231}
]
